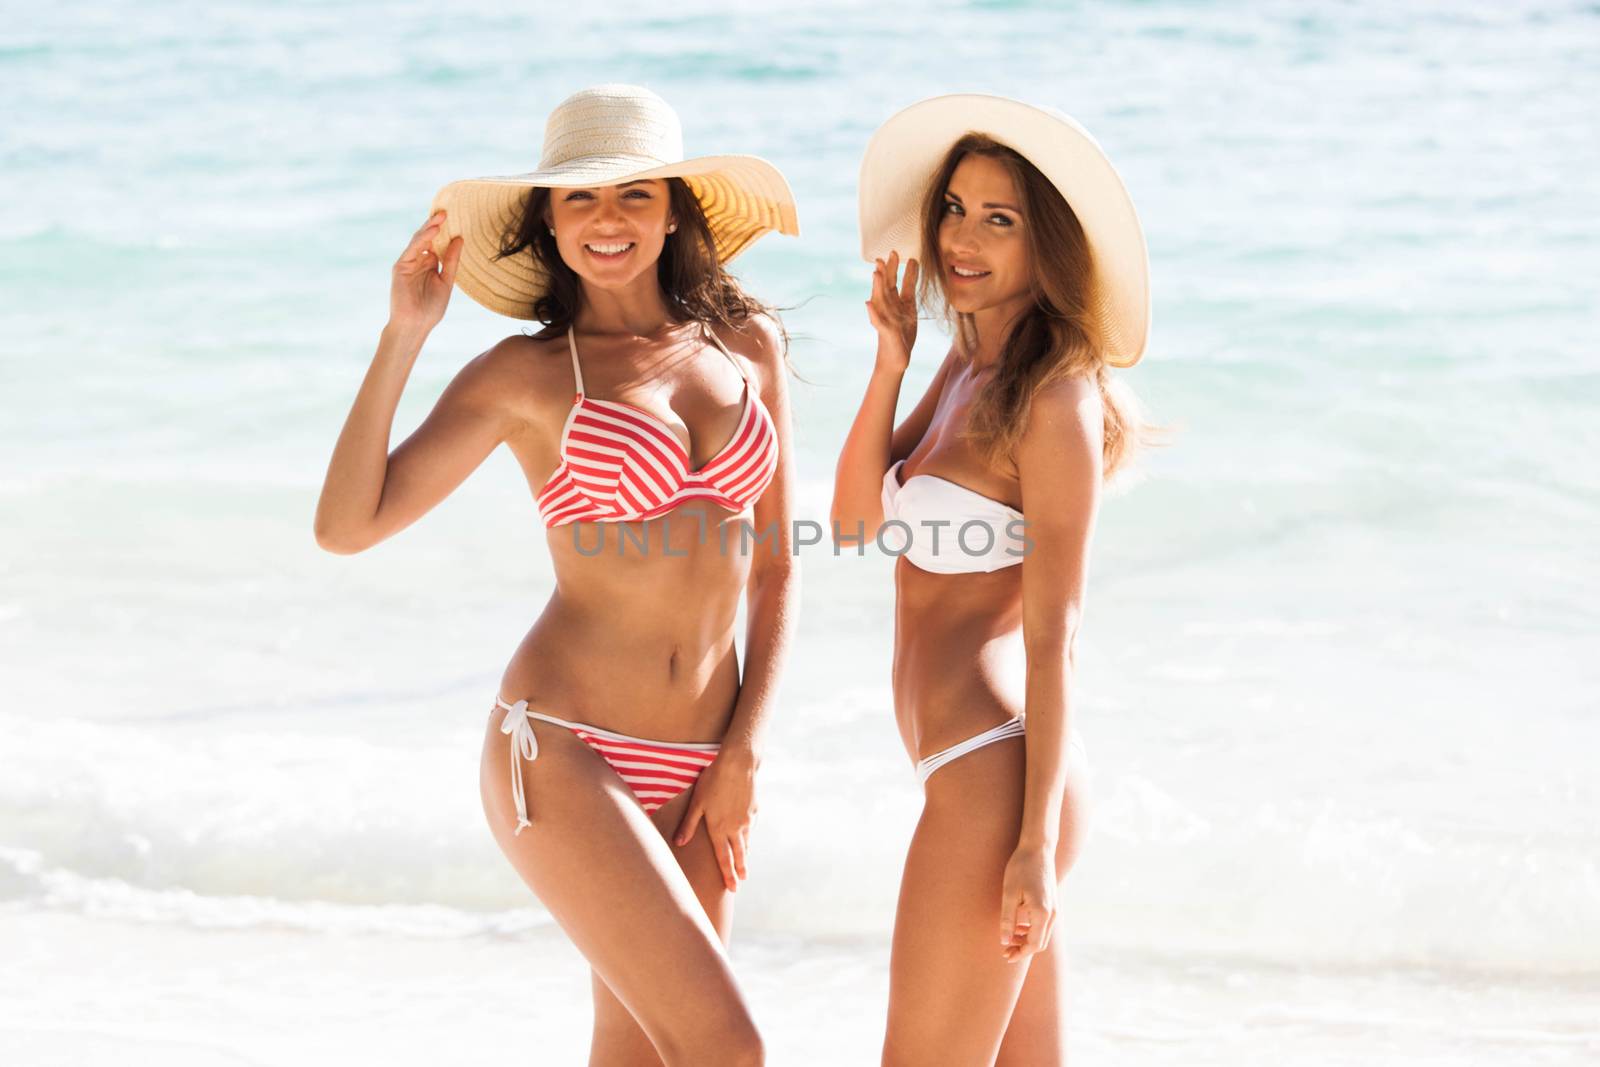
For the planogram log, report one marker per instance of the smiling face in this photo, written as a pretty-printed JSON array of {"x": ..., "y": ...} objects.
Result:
[
  {"x": 1009, "y": 266},
  {"x": 611, "y": 234},
  {"x": 982, "y": 237}
]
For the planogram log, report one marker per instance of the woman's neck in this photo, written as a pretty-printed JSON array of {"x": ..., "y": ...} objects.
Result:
[
  {"x": 990, "y": 327},
  {"x": 636, "y": 310}
]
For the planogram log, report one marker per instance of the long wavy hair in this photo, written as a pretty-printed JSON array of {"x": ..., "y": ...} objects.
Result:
[
  {"x": 693, "y": 281},
  {"x": 1055, "y": 338}
]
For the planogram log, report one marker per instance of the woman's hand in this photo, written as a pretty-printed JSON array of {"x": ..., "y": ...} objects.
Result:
[
  {"x": 1027, "y": 903},
  {"x": 419, "y": 288},
  {"x": 893, "y": 311},
  {"x": 725, "y": 797}
]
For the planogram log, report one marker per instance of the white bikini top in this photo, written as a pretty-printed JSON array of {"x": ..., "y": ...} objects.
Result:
[{"x": 949, "y": 529}]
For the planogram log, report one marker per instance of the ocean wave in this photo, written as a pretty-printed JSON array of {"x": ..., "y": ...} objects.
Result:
[{"x": 26, "y": 881}]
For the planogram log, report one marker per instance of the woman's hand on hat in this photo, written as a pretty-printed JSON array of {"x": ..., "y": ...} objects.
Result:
[
  {"x": 893, "y": 311},
  {"x": 419, "y": 288}
]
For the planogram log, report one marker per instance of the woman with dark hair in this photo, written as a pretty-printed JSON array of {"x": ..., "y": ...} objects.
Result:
[
  {"x": 649, "y": 415},
  {"x": 1027, "y": 243}
]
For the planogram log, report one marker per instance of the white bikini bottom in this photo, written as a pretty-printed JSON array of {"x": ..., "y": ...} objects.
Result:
[{"x": 1009, "y": 728}]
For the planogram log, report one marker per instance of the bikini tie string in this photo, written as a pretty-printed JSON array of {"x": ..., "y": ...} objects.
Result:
[{"x": 519, "y": 728}]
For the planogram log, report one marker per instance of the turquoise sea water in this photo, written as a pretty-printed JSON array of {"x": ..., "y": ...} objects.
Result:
[{"x": 1338, "y": 674}]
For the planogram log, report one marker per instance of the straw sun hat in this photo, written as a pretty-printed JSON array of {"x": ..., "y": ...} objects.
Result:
[
  {"x": 604, "y": 135},
  {"x": 905, "y": 153}
]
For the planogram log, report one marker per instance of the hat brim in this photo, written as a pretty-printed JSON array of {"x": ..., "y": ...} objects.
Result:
[
  {"x": 904, "y": 153},
  {"x": 743, "y": 197}
]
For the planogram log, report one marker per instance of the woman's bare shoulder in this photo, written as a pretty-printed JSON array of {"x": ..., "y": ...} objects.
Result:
[
  {"x": 759, "y": 341},
  {"x": 532, "y": 375},
  {"x": 1065, "y": 423}
]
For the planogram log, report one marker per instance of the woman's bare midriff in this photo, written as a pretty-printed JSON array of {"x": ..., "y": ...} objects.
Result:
[
  {"x": 958, "y": 660},
  {"x": 639, "y": 634}
]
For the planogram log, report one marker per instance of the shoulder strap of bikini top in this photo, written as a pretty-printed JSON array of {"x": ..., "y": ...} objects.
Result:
[
  {"x": 718, "y": 342},
  {"x": 577, "y": 373}
]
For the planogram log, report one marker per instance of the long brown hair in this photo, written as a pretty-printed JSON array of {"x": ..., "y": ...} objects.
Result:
[
  {"x": 693, "y": 282},
  {"x": 1055, "y": 338}
]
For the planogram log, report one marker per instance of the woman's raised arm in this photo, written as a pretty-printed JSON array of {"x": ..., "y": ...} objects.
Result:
[
  {"x": 873, "y": 442},
  {"x": 369, "y": 494}
]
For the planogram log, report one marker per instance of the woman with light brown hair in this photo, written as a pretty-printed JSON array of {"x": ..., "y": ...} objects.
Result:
[
  {"x": 620, "y": 753},
  {"x": 1027, "y": 243}
]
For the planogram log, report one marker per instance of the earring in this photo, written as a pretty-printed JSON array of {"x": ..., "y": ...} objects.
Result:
[
  {"x": 673, "y": 228},
  {"x": 552, "y": 231}
]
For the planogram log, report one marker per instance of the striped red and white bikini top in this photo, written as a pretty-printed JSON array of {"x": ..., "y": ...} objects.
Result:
[{"x": 619, "y": 463}]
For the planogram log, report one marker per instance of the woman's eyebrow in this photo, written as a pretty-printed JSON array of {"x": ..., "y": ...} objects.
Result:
[{"x": 1008, "y": 207}]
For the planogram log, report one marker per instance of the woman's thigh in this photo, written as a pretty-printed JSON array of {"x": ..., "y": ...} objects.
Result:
[
  {"x": 953, "y": 995},
  {"x": 1035, "y": 1036},
  {"x": 618, "y": 1037},
  {"x": 950, "y": 988},
  {"x": 614, "y": 885}
]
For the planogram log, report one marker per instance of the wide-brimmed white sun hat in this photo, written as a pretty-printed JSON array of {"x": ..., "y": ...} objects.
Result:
[
  {"x": 604, "y": 135},
  {"x": 904, "y": 156}
]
